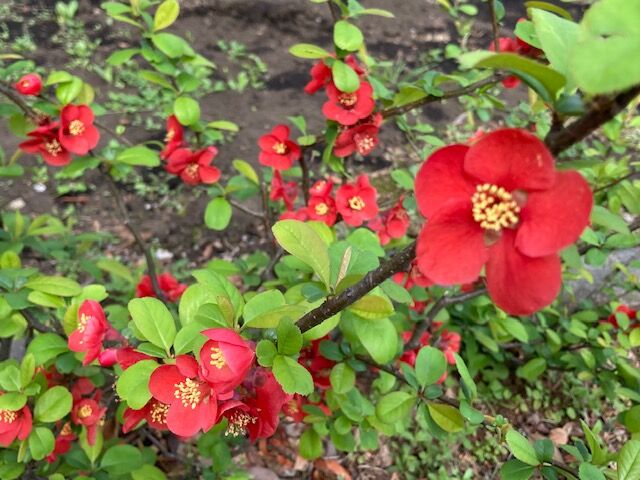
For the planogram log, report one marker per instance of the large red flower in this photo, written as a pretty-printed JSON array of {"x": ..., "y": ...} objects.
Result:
[
  {"x": 277, "y": 150},
  {"x": 77, "y": 132},
  {"x": 174, "y": 138},
  {"x": 259, "y": 411},
  {"x": 321, "y": 188},
  {"x": 356, "y": 202},
  {"x": 154, "y": 412},
  {"x": 500, "y": 204},
  {"x": 29, "y": 84},
  {"x": 44, "y": 141},
  {"x": 194, "y": 167},
  {"x": 225, "y": 358},
  {"x": 14, "y": 424},
  {"x": 92, "y": 328},
  {"x": 287, "y": 192},
  {"x": 171, "y": 288},
  {"x": 348, "y": 108},
  {"x": 193, "y": 404},
  {"x": 89, "y": 413},
  {"x": 361, "y": 137}
]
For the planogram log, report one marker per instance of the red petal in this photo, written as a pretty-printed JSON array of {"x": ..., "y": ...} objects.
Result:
[
  {"x": 162, "y": 383},
  {"x": 266, "y": 142},
  {"x": 187, "y": 365},
  {"x": 555, "y": 218},
  {"x": 184, "y": 421},
  {"x": 511, "y": 158},
  {"x": 281, "y": 132},
  {"x": 209, "y": 174},
  {"x": 441, "y": 180},
  {"x": 518, "y": 284},
  {"x": 451, "y": 248}
]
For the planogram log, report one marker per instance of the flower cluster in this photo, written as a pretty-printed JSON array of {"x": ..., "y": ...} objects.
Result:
[
  {"x": 55, "y": 141},
  {"x": 447, "y": 341},
  {"x": 171, "y": 288},
  {"x": 500, "y": 205},
  {"x": 192, "y": 166},
  {"x": 87, "y": 411},
  {"x": 631, "y": 314}
]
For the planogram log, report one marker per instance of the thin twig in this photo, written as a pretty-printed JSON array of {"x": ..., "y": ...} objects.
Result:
[
  {"x": 494, "y": 25},
  {"x": 335, "y": 11},
  {"x": 305, "y": 178},
  {"x": 244, "y": 209},
  {"x": 115, "y": 192}
]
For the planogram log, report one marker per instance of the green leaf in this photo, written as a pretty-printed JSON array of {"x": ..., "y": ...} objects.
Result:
[
  {"x": 133, "y": 384},
  {"x": 121, "y": 459},
  {"x": 431, "y": 364},
  {"x": 605, "y": 218},
  {"x": 379, "y": 12},
  {"x": 307, "y": 50},
  {"x": 516, "y": 470},
  {"x": 289, "y": 337},
  {"x": 515, "y": 329},
  {"x": 60, "y": 286},
  {"x": 446, "y": 417},
  {"x": 12, "y": 401},
  {"x": 172, "y": 45},
  {"x": 224, "y": 125},
  {"x": 47, "y": 346},
  {"x": 395, "y": 407},
  {"x": 189, "y": 338},
  {"x": 266, "y": 351},
  {"x": 148, "y": 472},
  {"x": 187, "y": 110},
  {"x": 66, "y": 92},
  {"x": 310, "y": 444},
  {"x": 629, "y": 461},
  {"x": 247, "y": 170},
  {"x": 154, "y": 321},
  {"x": 557, "y": 36},
  {"x": 589, "y": 472},
  {"x": 140, "y": 156},
  {"x": 119, "y": 57},
  {"x": 92, "y": 451},
  {"x": 342, "y": 378},
  {"x": 53, "y": 404},
  {"x": 46, "y": 300},
  {"x": 609, "y": 37},
  {"x": 302, "y": 241},
  {"x": 468, "y": 385},
  {"x": 372, "y": 307},
  {"x": 218, "y": 214},
  {"x": 550, "y": 7},
  {"x": 27, "y": 370},
  {"x": 166, "y": 14},
  {"x": 347, "y": 36},
  {"x": 10, "y": 378},
  {"x": 598, "y": 454},
  {"x": 379, "y": 338},
  {"x": 532, "y": 369},
  {"x": 157, "y": 78},
  {"x": 344, "y": 77},
  {"x": 262, "y": 303},
  {"x": 41, "y": 442},
  {"x": 521, "y": 448},
  {"x": 292, "y": 376}
]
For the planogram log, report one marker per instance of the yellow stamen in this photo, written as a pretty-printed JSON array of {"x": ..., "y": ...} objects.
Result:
[
  {"x": 53, "y": 147},
  {"x": 356, "y": 203},
  {"x": 280, "y": 148},
  {"x": 348, "y": 99},
  {"x": 321, "y": 209},
  {"x": 188, "y": 392},
  {"x": 159, "y": 412},
  {"x": 76, "y": 127},
  {"x": 494, "y": 208},
  {"x": 238, "y": 424},
  {"x": 85, "y": 411},
  {"x": 8, "y": 416},
  {"x": 217, "y": 358}
]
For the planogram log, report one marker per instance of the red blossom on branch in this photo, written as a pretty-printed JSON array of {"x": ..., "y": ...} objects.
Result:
[
  {"x": 500, "y": 204},
  {"x": 44, "y": 142},
  {"x": 154, "y": 412},
  {"x": 348, "y": 108},
  {"x": 14, "y": 425},
  {"x": 225, "y": 359},
  {"x": 174, "y": 138},
  {"x": 392, "y": 223},
  {"x": 64, "y": 439},
  {"x": 361, "y": 137},
  {"x": 171, "y": 288},
  {"x": 277, "y": 150},
  {"x": 77, "y": 132},
  {"x": 321, "y": 74},
  {"x": 91, "y": 331},
  {"x": 88, "y": 413},
  {"x": 287, "y": 192},
  {"x": 194, "y": 167},
  {"x": 357, "y": 202},
  {"x": 29, "y": 84}
]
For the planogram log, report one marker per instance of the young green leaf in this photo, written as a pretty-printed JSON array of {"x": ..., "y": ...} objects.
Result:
[
  {"x": 154, "y": 321},
  {"x": 521, "y": 448},
  {"x": 431, "y": 364},
  {"x": 166, "y": 14}
]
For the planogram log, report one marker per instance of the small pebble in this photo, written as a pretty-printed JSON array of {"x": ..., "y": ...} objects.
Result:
[
  {"x": 17, "y": 204},
  {"x": 162, "y": 254},
  {"x": 39, "y": 187}
]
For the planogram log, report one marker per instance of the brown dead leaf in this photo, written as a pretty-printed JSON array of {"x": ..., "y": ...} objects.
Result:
[{"x": 331, "y": 469}]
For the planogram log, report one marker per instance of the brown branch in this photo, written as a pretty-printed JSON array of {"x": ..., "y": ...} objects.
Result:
[
  {"x": 602, "y": 109},
  {"x": 115, "y": 192},
  {"x": 8, "y": 91},
  {"x": 443, "y": 302},
  {"x": 305, "y": 178},
  {"x": 494, "y": 25},
  {"x": 244, "y": 209},
  {"x": 634, "y": 173},
  {"x": 336, "y": 14}
]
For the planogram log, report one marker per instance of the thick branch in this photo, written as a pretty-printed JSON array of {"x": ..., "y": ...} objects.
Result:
[
  {"x": 334, "y": 304},
  {"x": 603, "y": 109}
]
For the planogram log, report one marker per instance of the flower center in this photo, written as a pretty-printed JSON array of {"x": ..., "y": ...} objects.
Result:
[
  {"x": 85, "y": 411},
  {"x": 159, "y": 412},
  {"x": 8, "y": 416},
  {"x": 356, "y": 203},
  {"x": 170, "y": 134},
  {"x": 321, "y": 209},
  {"x": 192, "y": 170},
  {"x": 82, "y": 323},
  {"x": 348, "y": 99},
  {"x": 280, "y": 148},
  {"x": 53, "y": 147},
  {"x": 319, "y": 186},
  {"x": 188, "y": 392},
  {"x": 66, "y": 430},
  {"x": 76, "y": 127},
  {"x": 217, "y": 358},
  {"x": 364, "y": 144},
  {"x": 494, "y": 208},
  {"x": 238, "y": 424}
]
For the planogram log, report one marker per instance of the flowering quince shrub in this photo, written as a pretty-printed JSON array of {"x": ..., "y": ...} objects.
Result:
[{"x": 426, "y": 294}]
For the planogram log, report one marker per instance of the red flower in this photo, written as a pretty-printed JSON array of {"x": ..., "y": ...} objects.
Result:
[
  {"x": 171, "y": 288},
  {"x": 45, "y": 143},
  {"x": 225, "y": 359},
  {"x": 301, "y": 215},
  {"x": 356, "y": 202},
  {"x": 500, "y": 204},
  {"x": 258, "y": 413},
  {"x": 347, "y": 108},
  {"x": 63, "y": 443},
  {"x": 629, "y": 312},
  {"x": 128, "y": 356},
  {"x": 319, "y": 366},
  {"x": 321, "y": 74},
  {"x": 414, "y": 278},
  {"x": 174, "y": 138},
  {"x": 194, "y": 167},
  {"x": 154, "y": 412},
  {"x": 92, "y": 328},
  {"x": 287, "y": 192},
  {"x": 321, "y": 188},
  {"x": 361, "y": 138},
  {"x": 14, "y": 424},
  {"x": 393, "y": 223},
  {"x": 192, "y": 402},
  {"x": 29, "y": 84},
  {"x": 323, "y": 209},
  {"x": 77, "y": 132},
  {"x": 88, "y": 413},
  {"x": 449, "y": 344},
  {"x": 277, "y": 150},
  {"x": 293, "y": 407}
]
